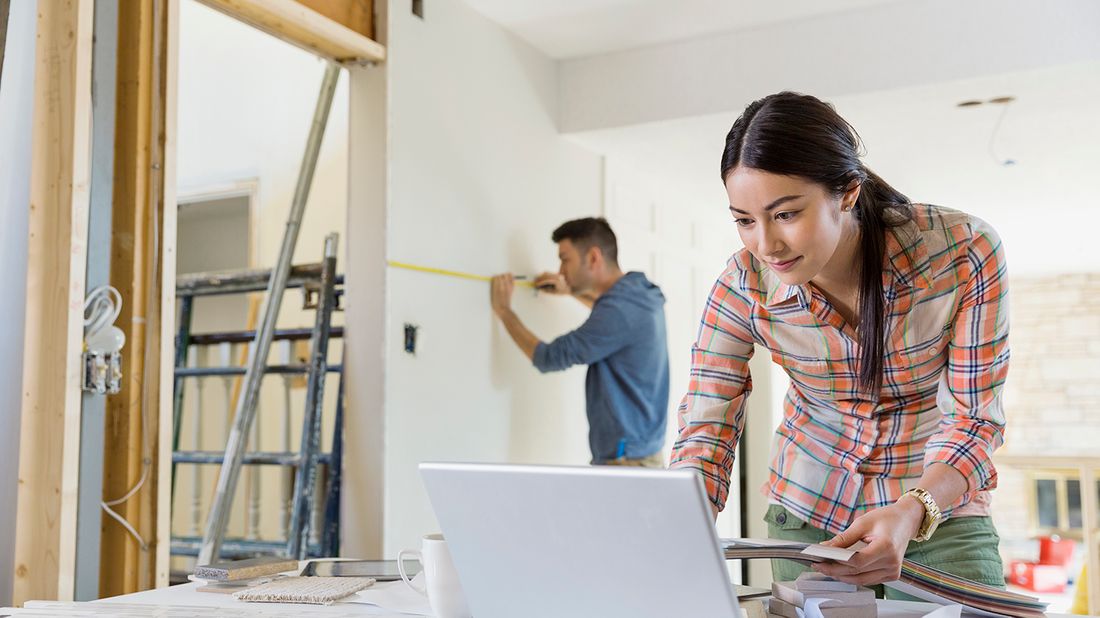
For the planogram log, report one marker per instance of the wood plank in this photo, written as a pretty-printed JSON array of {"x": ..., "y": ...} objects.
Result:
[
  {"x": 122, "y": 462},
  {"x": 160, "y": 341},
  {"x": 132, "y": 426},
  {"x": 5, "y": 10},
  {"x": 358, "y": 15},
  {"x": 302, "y": 26},
  {"x": 45, "y": 551},
  {"x": 1090, "y": 522},
  {"x": 163, "y": 457}
]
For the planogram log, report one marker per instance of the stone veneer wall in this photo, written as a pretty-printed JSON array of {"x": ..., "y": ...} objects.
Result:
[{"x": 1052, "y": 397}]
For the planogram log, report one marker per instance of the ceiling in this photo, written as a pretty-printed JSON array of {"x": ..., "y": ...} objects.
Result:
[
  {"x": 575, "y": 28},
  {"x": 933, "y": 151}
]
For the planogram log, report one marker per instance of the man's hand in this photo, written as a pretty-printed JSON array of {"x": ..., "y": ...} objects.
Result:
[
  {"x": 887, "y": 532},
  {"x": 500, "y": 293},
  {"x": 552, "y": 283},
  {"x": 500, "y": 296}
]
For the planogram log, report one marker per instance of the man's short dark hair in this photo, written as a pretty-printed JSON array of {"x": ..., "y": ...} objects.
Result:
[{"x": 587, "y": 233}]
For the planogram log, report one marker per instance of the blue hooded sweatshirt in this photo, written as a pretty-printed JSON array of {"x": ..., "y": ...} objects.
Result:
[{"x": 623, "y": 342}]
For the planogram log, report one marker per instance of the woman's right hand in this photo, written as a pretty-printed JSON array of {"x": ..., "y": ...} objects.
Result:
[{"x": 552, "y": 283}]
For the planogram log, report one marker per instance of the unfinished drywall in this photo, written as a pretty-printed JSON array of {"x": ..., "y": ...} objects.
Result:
[
  {"x": 478, "y": 177},
  {"x": 16, "y": 105}
]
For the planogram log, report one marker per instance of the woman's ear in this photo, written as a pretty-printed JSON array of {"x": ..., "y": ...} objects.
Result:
[{"x": 851, "y": 195}]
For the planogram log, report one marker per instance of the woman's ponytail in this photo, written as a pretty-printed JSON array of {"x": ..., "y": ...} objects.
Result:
[{"x": 875, "y": 211}]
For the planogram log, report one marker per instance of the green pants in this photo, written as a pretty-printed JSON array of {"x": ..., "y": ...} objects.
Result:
[{"x": 963, "y": 546}]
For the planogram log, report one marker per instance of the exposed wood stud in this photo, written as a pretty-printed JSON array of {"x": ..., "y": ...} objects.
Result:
[{"x": 45, "y": 546}]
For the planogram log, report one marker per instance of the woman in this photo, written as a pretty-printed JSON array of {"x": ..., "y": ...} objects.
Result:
[{"x": 891, "y": 320}]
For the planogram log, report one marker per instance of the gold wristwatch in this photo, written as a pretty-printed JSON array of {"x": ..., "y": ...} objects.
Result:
[{"x": 932, "y": 514}]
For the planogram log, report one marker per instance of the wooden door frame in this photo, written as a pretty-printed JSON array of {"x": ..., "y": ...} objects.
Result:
[{"x": 50, "y": 436}]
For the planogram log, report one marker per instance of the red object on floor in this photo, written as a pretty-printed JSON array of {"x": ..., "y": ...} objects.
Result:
[
  {"x": 1055, "y": 550},
  {"x": 1037, "y": 577}
]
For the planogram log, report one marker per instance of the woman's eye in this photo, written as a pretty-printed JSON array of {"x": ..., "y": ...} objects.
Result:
[
  {"x": 786, "y": 215},
  {"x": 743, "y": 222}
]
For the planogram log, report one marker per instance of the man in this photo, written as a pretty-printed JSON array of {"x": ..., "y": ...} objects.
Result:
[{"x": 623, "y": 343}]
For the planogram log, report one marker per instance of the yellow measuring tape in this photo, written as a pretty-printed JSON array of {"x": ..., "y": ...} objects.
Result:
[{"x": 453, "y": 273}]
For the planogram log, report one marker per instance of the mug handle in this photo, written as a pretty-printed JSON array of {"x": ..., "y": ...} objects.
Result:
[{"x": 401, "y": 568}]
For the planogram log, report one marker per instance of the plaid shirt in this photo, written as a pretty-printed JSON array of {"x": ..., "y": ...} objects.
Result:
[{"x": 839, "y": 452}]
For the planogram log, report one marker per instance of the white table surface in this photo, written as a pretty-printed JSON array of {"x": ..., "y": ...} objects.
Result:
[{"x": 185, "y": 595}]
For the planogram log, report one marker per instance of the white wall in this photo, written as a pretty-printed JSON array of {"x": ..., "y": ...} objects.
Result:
[
  {"x": 478, "y": 178},
  {"x": 16, "y": 104}
]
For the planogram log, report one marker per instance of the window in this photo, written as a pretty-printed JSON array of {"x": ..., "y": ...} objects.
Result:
[{"x": 1056, "y": 506}]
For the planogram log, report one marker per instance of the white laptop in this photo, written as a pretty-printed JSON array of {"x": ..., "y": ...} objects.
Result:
[{"x": 572, "y": 542}]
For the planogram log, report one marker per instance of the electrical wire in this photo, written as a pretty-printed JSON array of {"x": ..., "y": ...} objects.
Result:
[
  {"x": 125, "y": 524},
  {"x": 101, "y": 309},
  {"x": 146, "y": 393},
  {"x": 993, "y": 136}
]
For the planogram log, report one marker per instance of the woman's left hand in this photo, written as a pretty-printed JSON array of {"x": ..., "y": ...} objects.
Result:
[{"x": 887, "y": 532}]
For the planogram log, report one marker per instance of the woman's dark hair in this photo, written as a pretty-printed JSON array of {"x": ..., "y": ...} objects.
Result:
[{"x": 799, "y": 135}]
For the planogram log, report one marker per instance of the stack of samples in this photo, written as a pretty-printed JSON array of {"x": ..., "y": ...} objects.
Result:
[
  {"x": 919, "y": 580},
  {"x": 230, "y": 577},
  {"x": 830, "y": 598}
]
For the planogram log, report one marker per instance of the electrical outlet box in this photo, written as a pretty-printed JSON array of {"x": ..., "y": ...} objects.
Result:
[{"x": 102, "y": 373}]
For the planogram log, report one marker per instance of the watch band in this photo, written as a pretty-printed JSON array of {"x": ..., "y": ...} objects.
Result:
[{"x": 932, "y": 513}]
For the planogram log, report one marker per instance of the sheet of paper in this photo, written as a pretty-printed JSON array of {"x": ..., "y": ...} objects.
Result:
[
  {"x": 830, "y": 553},
  {"x": 935, "y": 598},
  {"x": 947, "y": 611},
  {"x": 759, "y": 542},
  {"x": 812, "y": 609},
  {"x": 395, "y": 597}
]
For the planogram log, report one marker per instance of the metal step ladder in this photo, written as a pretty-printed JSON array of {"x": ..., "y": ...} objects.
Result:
[{"x": 319, "y": 283}]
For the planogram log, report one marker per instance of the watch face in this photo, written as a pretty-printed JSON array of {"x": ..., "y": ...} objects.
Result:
[{"x": 928, "y": 526}]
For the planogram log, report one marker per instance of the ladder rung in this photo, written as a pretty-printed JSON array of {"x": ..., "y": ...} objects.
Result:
[
  {"x": 267, "y": 458},
  {"x": 239, "y": 281},
  {"x": 205, "y": 372},
  {"x": 248, "y": 336},
  {"x": 235, "y": 548}
]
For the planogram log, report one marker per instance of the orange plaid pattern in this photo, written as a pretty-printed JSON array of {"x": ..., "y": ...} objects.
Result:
[{"x": 840, "y": 452}]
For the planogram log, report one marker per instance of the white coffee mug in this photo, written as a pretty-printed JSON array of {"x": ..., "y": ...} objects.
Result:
[{"x": 441, "y": 584}]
